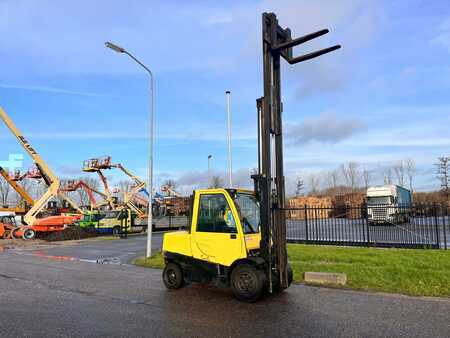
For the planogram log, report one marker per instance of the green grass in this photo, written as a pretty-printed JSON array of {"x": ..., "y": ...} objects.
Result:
[
  {"x": 156, "y": 261},
  {"x": 410, "y": 272}
]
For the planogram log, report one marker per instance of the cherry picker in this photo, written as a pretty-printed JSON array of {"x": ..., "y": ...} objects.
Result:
[{"x": 33, "y": 224}]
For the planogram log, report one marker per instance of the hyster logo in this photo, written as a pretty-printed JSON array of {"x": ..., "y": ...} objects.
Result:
[{"x": 15, "y": 162}]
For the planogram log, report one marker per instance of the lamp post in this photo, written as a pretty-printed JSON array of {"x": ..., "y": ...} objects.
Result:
[
  {"x": 209, "y": 167},
  {"x": 121, "y": 50},
  {"x": 230, "y": 161}
]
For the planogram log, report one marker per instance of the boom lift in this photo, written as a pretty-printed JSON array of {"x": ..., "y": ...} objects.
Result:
[
  {"x": 120, "y": 219},
  {"x": 96, "y": 165},
  {"x": 27, "y": 199},
  {"x": 73, "y": 185},
  {"x": 237, "y": 237},
  {"x": 49, "y": 224},
  {"x": 105, "y": 163}
]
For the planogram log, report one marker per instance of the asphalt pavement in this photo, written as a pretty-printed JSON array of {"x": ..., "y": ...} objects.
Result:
[
  {"x": 48, "y": 295},
  {"x": 104, "y": 250}
]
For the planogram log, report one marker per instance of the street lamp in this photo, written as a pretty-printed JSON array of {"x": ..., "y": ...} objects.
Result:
[
  {"x": 209, "y": 167},
  {"x": 121, "y": 50},
  {"x": 230, "y": 161}
]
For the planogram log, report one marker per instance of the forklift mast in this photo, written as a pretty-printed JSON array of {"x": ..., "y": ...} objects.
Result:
[{"x": 269, "y": 182}]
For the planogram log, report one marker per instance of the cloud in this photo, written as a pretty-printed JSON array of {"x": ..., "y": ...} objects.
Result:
[
  {"x": 51, "y": 90},
  {"x": 443, "y": 37},
  {"x": 354, "y": 24},
  {"x": 326, "y": 128},
  {"x": 199, "y": 179}
]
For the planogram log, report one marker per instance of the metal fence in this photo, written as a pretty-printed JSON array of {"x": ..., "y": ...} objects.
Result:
[{"x": 418, "y": 226}]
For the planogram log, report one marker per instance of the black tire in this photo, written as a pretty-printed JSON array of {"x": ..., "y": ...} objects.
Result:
[
  {"x": 247, "y": 283},
  {"x": 290, "y": 274},
  {"x": 173, "y": 276},
  {"x": 14, "y": 234},
  {"x": 116, "y": 231},
  {"x": 29, "y": 234}
]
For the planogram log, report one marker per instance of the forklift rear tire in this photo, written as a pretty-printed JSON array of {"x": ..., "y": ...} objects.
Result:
[
  {"x": 248, "y": 283},
  {"x": 173, "y": 276}
]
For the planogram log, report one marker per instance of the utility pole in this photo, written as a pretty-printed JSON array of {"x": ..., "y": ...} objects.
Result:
[
  {"x": 230, "y": 160},
  {"x": 121, "y": 50},
  {"x": 209, "y": 167}
]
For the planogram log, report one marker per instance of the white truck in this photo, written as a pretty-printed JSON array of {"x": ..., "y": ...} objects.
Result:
[{"x": 388, "y": 204}]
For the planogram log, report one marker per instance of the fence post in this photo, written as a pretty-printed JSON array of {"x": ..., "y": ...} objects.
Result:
[
  {"x": 306, "y": 223},
  {"x": 444, "y": 221},
  {"x": 438, "y": 242},
  {"x": 367, "y": 223}
]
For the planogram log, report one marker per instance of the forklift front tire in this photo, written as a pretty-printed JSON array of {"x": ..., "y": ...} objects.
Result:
[
  {"x": 248, "y": 283},
  {"x": 173, "y": 276}
]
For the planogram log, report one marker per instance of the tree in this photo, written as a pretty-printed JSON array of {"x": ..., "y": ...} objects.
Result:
[
  {"x": 313, "y": 182},
  {"x": 366, "y": 177},
  {"x": 333, "y": 179},
  {"x": 299, "y": 188},
  {"x": 410, "y": 171},
  {"x": 387, "y": 176},
  {"x": 216, "y": 182},
  {"x": 345, "y": 175},
  {"x": 171, "y": 184},
  {"x": 5, "y": 189},
  {"x": 399, "y": 170},
  {"x": 125, "y": 187},
  {"x": 443, "y": 174},
  {"x": 83, "y": 197}
]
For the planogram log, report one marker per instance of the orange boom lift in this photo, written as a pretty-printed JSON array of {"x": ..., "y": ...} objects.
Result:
[{"x": 33, "y": 224}]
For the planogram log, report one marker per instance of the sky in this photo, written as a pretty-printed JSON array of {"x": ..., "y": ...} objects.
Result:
[{"x": 382, "y": 98}]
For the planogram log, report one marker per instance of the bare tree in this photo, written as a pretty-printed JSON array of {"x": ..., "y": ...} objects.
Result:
[
  {"x": 125, "y": 186},
  {"x": 345, "y": 175},
  {"x": 353, "y": 169},
  {"x": 26, "y": 185},
  {"x": 350, "y": 172},
  {"x": 411, "y": 172},
  {"x": 299, "y": 188},
  {"x": 171, "y": 184},
  {"x": 333, "y": 179},
  {"x": 399, "y": 170},
  {"x": 366, "y": 177},
  {"x": 83, "y": 196},
  {"x": 443, "y": 174},
  {"x": 387, "y": 176},
  {"x": 313, "y": 182},
  {"x": 5, "y": 189},
  {"x": 216, "y": 182}
]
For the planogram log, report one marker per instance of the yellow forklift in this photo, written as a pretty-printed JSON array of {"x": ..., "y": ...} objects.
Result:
[{"x": 237, "y": 238}]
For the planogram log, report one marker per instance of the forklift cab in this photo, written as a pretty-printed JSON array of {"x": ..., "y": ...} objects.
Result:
[
  {"x": 224, "y": 228},
  {"x": 224, "y": 234}
]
